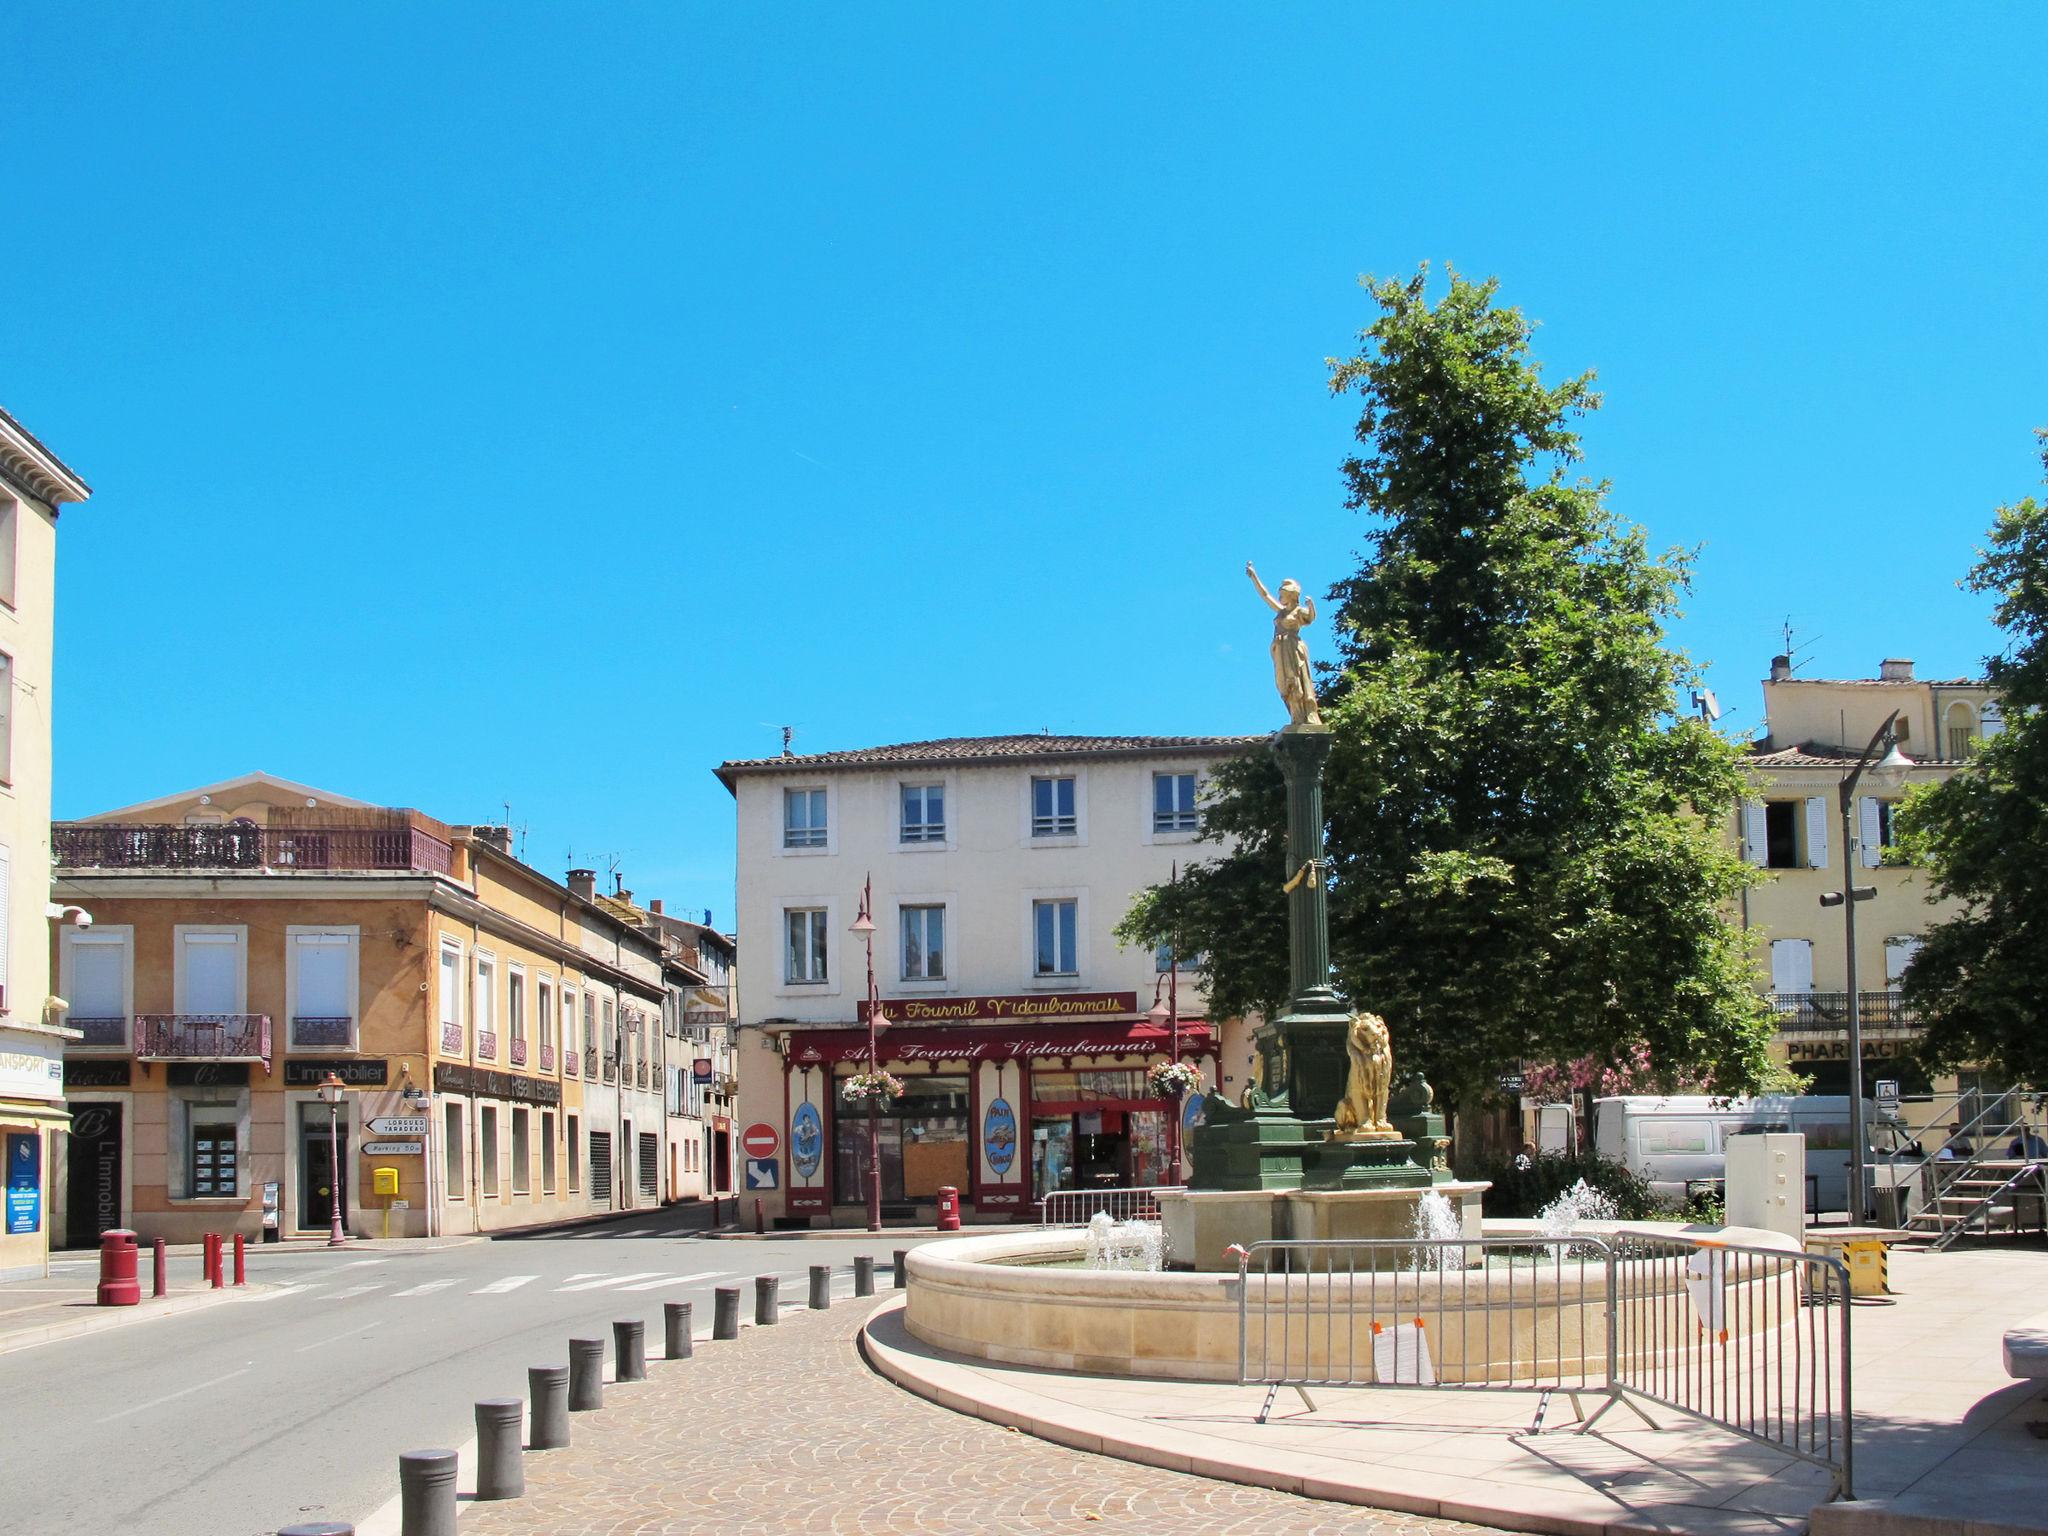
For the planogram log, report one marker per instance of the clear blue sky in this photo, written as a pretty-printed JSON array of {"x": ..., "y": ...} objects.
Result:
[{"x": 540, "y": 404}]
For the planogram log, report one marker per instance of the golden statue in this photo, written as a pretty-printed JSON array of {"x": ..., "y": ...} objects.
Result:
[
  {"x": 1291, "y": 614},
  {"x": 1362, "y": 1112}
]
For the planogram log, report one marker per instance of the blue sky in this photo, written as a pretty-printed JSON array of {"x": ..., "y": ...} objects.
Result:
[{"x": 537, "y": 405}]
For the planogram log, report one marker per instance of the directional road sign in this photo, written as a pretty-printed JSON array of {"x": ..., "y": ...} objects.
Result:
[
  {"x": 399, "y": 1125},
  {"x": 762, "y": 1173}
]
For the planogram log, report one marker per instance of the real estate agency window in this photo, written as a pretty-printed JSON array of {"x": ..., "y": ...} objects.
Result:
[
  {"x": 1052, "y": 807},
  {"x": 547, "y": 1152},
  {"x": 451, "y": 998},
  {"x": 1173, "y": 803},
  {"x": 323, "y": 976},
  {"x": 213, "y": 1167},
  {"x": 522, "y": 1152},
  {"x": 806, "y": 944},
  {"x": 924, "y": 813},
  {"x": 573, "y": 1153},
  {"x": 803, "y": 818},
  {"x": 1056, "y": 937},
  {"x": 924, "y": 943},
  {"x": 487, "y": 1147}
]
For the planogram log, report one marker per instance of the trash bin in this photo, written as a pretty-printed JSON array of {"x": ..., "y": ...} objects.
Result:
[{"x": 1891, "y": 1206}]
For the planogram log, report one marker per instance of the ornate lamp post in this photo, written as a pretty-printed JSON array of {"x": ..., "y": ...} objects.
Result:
[
  {"x": 1886, "y": 772},
  {"x": 1171, "y": 1010},
  {"x": 331, "y": 1091},
  {"x": 864, "y": 925}
]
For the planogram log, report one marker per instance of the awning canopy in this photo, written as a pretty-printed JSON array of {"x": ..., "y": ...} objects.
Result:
[{"x": 1001, "y": 1042}]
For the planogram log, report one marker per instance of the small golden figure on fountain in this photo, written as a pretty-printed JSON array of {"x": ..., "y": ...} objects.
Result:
[{"x": 1362, "y": 1112}]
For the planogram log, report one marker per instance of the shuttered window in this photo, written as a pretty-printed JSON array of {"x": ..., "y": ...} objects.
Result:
[
  {"x": 650, "y": 1165},
  {"x": 1791, "y": 966},
  {"x": 600, "y": 1167}
]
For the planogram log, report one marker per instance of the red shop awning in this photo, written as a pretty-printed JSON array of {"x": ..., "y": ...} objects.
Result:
[{"x": 996, "y": 1042}]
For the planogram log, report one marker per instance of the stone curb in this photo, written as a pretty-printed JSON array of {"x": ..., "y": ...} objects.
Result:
[
  {"x": 103, "y": 1319},
  {"x": 964, "y": 1390}
]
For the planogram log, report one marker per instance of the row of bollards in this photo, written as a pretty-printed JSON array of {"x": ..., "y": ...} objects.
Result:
[{"x": 426, "y": 1479}]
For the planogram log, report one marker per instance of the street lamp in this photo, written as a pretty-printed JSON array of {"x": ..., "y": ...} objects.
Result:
[
  {"x": 864, "y": 926},
  {"x": 331, "y": 1091},
  {"x": 1168, "y": 1012},
  {"x": 1885, "y": 772}
]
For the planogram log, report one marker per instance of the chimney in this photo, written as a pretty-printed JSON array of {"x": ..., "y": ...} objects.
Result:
[
  {"x": 583, "y": 883},
  {"x": 625, "y": 895},
  {"x": 499, "y": 838},
  {"x": 654, "y": 906},
  {"x": 1895, "y": 669},
  {"x": 1781, "y": 669}
]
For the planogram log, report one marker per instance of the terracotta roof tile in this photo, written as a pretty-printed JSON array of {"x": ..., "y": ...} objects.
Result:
[{"x": 992, "y": 749}]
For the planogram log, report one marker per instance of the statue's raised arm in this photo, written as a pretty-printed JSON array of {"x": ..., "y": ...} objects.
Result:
[{"x": 1271, "y": 601}]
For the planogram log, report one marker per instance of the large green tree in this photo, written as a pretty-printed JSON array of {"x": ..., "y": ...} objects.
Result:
[
  {"x": 1528, "y": 853},
  {"x": 1980, "y": 978}
]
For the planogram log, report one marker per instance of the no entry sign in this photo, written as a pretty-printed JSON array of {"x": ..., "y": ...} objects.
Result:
[{"x": 759, "y": 1140}]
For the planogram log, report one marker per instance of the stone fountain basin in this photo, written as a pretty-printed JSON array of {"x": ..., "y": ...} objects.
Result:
[{"x": 1011, "y": 1297}]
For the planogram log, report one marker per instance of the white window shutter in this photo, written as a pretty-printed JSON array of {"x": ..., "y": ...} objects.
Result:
[
  {"x": 1755, "y": 838},
  {"x": 1791, "y": 966},
  {"x": 1870, "y": 833},
  {"x": 1817, "y": 832}
]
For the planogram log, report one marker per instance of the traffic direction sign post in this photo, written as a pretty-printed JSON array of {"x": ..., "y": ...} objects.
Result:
[
  {"x": 759, "y": 1140},
  {"x": 391, "y": 1149},
  {"x": 398, "y": 1125},
  {"x": 762, "y": 1173}
]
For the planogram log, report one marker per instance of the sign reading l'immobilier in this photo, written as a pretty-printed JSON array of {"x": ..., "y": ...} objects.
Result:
[{"x": 1041, "y": 1008}]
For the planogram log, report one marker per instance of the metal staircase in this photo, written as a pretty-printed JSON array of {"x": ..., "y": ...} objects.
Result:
[{"x": 1976, "y": 1193}]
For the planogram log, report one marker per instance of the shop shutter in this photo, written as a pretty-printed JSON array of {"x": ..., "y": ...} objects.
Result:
[
  {"x": 650, "y": 1165},
  {"x": 600, "y": 1167},
  {"x": 1817, "y": 832}
]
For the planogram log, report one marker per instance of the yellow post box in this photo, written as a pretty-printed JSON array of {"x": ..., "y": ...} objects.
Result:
[{"x": 386, "y": 1180}]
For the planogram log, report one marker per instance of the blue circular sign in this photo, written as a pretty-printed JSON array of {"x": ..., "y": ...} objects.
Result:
[
  {"x": 999, "y": 1136},
  {"x": 806, "y": 1141}
]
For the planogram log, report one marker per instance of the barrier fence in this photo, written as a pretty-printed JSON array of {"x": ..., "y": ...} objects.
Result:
[
  {"x": 1077, "y": 1207},
  {"x": 1754, "y": 1340}
]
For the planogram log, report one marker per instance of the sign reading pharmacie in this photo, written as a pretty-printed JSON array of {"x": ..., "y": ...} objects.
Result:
[
  {"x": 1014, "y": 1041},
  {"x": 482, "y": 1083}
]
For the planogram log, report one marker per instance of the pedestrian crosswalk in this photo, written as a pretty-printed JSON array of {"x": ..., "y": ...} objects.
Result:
[{"x": 349, "y": 1287}]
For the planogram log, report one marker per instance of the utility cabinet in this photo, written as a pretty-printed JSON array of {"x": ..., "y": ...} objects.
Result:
[{"x": 1766, "y": 1182}]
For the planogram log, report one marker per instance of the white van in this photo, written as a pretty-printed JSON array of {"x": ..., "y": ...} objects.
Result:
[{"x": 1679, "y": 1140}]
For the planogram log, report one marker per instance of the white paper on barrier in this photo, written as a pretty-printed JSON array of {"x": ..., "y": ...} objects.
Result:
[
  {"x": 1400, "y": 1356},
  {"x": 1703, "y": 1275}
]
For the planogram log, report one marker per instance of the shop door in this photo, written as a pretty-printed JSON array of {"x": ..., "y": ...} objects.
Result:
[
  {"x": 92, "y": 1167},
  {"x": 316, "y": 1179}
]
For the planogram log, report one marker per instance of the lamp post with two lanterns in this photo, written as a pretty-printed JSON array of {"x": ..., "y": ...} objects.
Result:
[
  {"x": 331, "y": 1091},
  {"x": 864, "y": 926}
]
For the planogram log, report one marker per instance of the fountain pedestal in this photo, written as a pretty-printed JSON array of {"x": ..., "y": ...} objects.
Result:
[{"x": 1202, "y": 1225}]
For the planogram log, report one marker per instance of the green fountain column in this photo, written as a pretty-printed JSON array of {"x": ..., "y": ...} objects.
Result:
[{"x": 1303, "y": 1049}]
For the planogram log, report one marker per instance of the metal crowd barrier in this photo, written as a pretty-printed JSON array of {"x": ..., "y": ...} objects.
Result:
[
  {"x": 1077, "y": 1207},
  {"x": 1754, "y": 1340}
]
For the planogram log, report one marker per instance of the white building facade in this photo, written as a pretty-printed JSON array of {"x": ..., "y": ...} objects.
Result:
[{"x": 1021, "y": 1029}]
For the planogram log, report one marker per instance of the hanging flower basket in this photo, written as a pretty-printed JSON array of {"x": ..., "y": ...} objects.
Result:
[
  {"x": 1174, "y": 1079},
  {"x": 876, "y": 1088}
]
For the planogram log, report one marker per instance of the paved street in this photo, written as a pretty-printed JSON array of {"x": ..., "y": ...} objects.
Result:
[
  {"x": 790, "y": 1431},
  {"x": 293, "y": 1404}
]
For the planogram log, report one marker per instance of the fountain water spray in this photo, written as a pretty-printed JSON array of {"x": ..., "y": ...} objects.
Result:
[
  {"x": 1437, "y": 1219},
  {"x": 1126, "y": 1245}
]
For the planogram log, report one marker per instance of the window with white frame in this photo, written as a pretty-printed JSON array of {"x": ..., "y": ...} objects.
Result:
[
  {"x": 924, "y": 813},
  {"x": 515, "y": 1010},
  {"x": 486, "y": 1009},
  {"x": 451, "y": 1149},
  {"x": 569, "y": 1041},
  {"x": 210, "y": 973},
  {"x": 805, "y": 927},
  {"x": 803, "y": 818},
  {"x": 451, "y": 996},
  {"x": 1055, "y": 927},
  {"x": 95, "y": 978},
  {"x": 590, "y": 1040},
  {"x": 924, "y": 942},
  {"x": 322, "y": 981},
  {"x": 544, "y": 1011},
  {"x": 1173, "y": 803},
  {"x": 1052, "y": 807}
]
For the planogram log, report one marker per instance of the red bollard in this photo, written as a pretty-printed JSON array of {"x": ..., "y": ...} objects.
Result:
[
  {"x": 759, "y": 1228},
  {"x": 241, "y": 1260},
  {"x": 118, "y": 1285},
  {"x": 215, "y": 1268},
  {"x": 949, "y": 1208},
  {"x": 159, "y": 1269}
]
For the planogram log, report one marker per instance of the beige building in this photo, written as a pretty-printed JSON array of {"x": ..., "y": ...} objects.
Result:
[
  {"x": 1817, "y": 729},
  {"x": 497, "y": 1032},
  {"x": 34, "y": 483}
]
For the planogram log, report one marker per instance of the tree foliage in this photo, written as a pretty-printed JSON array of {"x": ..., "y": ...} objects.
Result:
[
  {"x": 1526, "y": 845},
  {"x": 1980, "y": 979}
]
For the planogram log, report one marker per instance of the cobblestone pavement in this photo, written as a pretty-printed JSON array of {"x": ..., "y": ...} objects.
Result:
[{"x": 787, "y": 1430}]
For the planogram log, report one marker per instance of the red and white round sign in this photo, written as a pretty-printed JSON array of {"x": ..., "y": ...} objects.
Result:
[{"x": 759, "y": 1140}]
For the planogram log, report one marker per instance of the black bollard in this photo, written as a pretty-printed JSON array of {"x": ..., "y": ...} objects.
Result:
[
  {"x": 821, "y": 1287},
  {"x": 426, "y": 1493},
  {"x": 548, "y": 1386},
  {"x": 586, "y": 1375},
  {"x": 766, "y": 1306},
  {"x": 864, "y": 1275},
  {"x": 629, "y": 1350},
  {"x": 725, "y": 1315},
  {"x": 500, "y": 1467},
  {"x": 902, "y": 1276},
  {"x": 675, "y": 1327}
]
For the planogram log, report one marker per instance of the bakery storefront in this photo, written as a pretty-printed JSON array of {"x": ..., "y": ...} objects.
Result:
[{"x": 1005, "y": 1099}]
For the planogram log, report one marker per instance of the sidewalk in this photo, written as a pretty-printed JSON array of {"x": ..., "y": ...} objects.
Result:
[{"x": 785, "y": 1429}]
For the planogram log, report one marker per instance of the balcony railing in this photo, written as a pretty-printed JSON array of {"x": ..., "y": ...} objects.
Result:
[
  {"x": 203, "y": 1037},
  {"x": 101, "y": 1033},
  {"x": 571, "y": 1060},
  {"x": 640, "y": 1073},
  {"x": 590, "y": 1061},
  {"x": 547, "y": 1058},
  {"x": 124, "y": 845},
  {"x": 451, "y": 1039},
  {"x": 487, "y": 1044},
  {"x": 1830, "y": 1011},
  {"x": 611, "y": 1070},
  {"x": 517, "y": 1047},
  {"x": 323, "y": 1034}
]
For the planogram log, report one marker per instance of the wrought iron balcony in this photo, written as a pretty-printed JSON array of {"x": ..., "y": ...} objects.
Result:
[
  {"x": 128, "y": 845},
  {"x": 611, "y": 1069},
  {"x": 517, "y": 1047},
  {"x": 487, "y": 1044},
  {"x": 100, "y": 1034},
  {"x": 640, "y": 1073},
  {"x": 203, "y": 1037},
  {"x": 590, "y": 1061},
  {"x": 571, "y": 1060},
  {"x": 1803, "y": 1011},
  {"x": 451, "y": 1039},
  {"x": 324, "y": 1034},
  {"x": 547, "y": 1058}
]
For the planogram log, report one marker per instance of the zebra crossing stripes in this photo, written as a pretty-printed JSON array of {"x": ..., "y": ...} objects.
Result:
[
  {"x": 605, "y": 1282},
  {"x": 500, "y": 1287},
  {"x": 426, "y": 1288}
]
